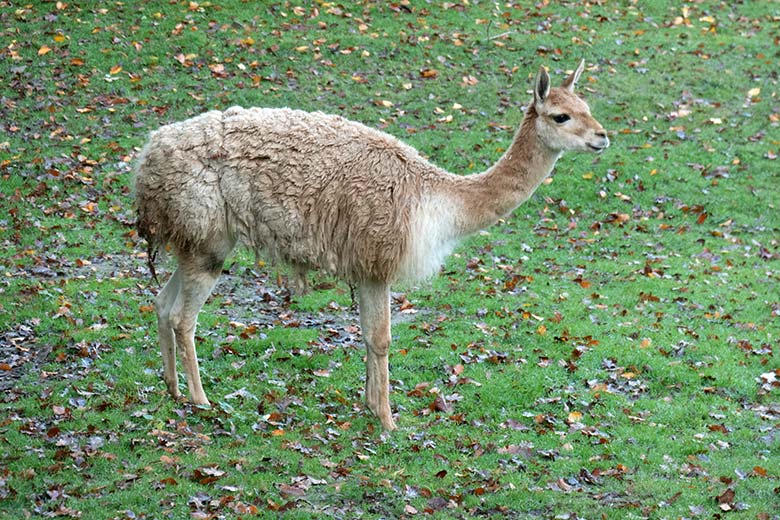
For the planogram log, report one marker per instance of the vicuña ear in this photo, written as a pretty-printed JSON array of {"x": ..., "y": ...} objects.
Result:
[
  {"x": 541, "y": 85},
  {"x": 574, "y": 77}
]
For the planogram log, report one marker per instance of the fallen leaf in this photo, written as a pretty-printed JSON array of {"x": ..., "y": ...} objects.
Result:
[
  {"x": 288, "y": 490},
  {"x": 726, "y": 498},
  {"x": 441, "y": 405}
]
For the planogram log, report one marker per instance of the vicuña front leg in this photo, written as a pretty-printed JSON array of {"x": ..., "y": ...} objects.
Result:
[
  {"x": 374, "y": 301},
  {"x": 197, "y": 282}
]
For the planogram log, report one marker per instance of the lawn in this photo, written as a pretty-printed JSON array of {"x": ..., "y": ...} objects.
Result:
[{"x": 611, "y": 350}]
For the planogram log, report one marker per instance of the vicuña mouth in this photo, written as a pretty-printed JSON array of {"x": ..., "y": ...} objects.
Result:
[{"x": 597, "y": 149}]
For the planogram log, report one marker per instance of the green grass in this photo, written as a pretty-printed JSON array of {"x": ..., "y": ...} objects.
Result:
[{"x": 601, "y": 350}]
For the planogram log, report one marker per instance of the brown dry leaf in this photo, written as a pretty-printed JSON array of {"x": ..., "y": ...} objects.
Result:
[
  {"x": 726, "y": 499},
  {"x": 759, "y": 471},
  {"x": 167, "y": 460},
  {"x": 469, "y": 81},
  {"x": 441, "y": 405},
  {"x": 294, "y": 491}
]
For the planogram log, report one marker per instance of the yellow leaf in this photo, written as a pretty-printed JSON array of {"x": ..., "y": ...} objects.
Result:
[
  {"x": 116, "y": 69},
  {"x": 754, "y": 92},
  {"x": 59, "y": 38},
  {"x": 44, "y": 50},
  {"x": 574, "y": 417}
]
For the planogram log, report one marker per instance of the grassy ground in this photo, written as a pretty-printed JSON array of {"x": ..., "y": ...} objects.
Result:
[{"x": 609, "y": 351}]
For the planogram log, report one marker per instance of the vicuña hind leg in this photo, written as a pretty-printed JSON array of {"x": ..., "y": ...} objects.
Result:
[
  {"x": 165, "y": 334},
  {"x": 301, "y": 281},
  {"x": 198, "y": 276},
  {"x": 374, "y": 301}
]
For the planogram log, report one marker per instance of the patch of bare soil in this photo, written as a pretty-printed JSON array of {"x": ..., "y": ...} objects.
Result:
[
  {"x": 250, "y": 297},
  {"x": 20, "y": 352}
]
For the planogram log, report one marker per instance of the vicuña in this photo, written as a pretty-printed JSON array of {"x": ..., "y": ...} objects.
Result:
[{"x": 321, "y": 192}]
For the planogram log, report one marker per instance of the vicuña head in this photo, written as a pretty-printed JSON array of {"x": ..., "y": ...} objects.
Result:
[{"x": 564, "y": 121}]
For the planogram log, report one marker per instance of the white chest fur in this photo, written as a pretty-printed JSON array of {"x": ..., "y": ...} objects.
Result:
[{"x": 432, "y": 237}]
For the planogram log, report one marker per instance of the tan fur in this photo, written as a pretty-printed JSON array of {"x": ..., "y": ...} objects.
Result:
[
  {"x": 314, "y": 190},
  {"x": 321, "y": 192}
]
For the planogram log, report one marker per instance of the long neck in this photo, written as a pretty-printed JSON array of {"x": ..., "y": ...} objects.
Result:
[{"x": 496, "y": 192}]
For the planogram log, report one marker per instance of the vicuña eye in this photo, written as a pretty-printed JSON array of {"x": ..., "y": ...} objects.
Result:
[{"x": 561, "y": 118}]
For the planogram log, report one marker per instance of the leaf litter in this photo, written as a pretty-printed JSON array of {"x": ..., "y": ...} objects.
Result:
[{"x": 76, "y": 181}]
